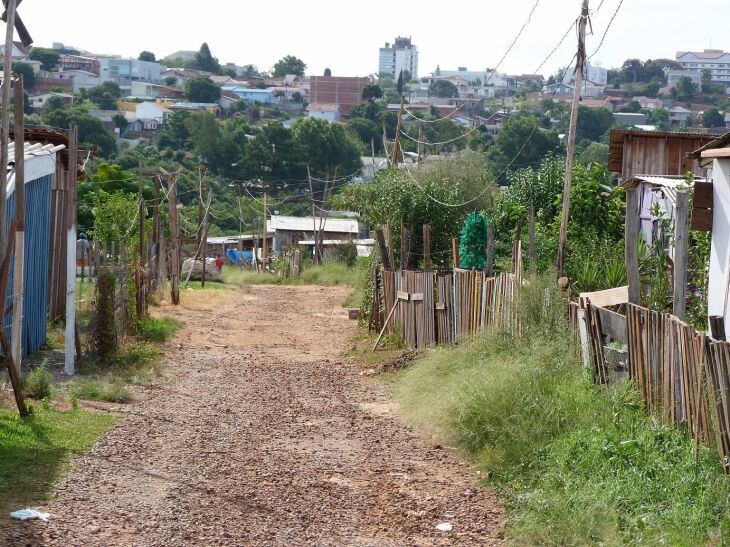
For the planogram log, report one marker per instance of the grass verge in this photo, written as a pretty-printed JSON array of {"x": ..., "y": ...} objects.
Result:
[
  {"x": 35, "y": 451},
  {"x": 575, "y": 464}
]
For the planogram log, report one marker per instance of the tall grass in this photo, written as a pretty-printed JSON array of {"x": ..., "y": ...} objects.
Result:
[
  {"x": 330, "y": 274},
  {"x": 576, "y": 464}
]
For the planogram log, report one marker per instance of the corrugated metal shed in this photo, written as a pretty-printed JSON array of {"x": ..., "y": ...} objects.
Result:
[
  {"x": 632, "y": 152},
  {"x": 40, "y": 168},
  {"x": 306, "y": 224}
]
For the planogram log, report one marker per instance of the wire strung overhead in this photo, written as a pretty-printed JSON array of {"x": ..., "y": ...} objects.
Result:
[{"x": 496, "y": 68}]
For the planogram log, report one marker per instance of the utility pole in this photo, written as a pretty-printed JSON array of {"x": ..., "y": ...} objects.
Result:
[
  {"x": 201, "y": 178},
  {"x": 5, "y": 119},
  {"x": 18, "y": 279},
  {"x": 140, "y": 264},
  {"x": 69, "y": 366},
  {"x": 264, "y": 243},
  {"x": 314, "y": 217},
  {"x": 174, "y": 240},
  {"x": 579, "y": 67},
  {"x": 396, "y": 147}
]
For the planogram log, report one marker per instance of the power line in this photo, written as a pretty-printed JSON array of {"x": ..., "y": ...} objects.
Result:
[
  {"x": 608, "y": 27},
  {"x": 534, "y": 74},
  {"x": 496, "y": 68}
]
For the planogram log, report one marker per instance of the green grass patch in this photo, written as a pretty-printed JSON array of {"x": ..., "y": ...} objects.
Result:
[
  {"x": 37, "y": 383},
  {"x": 34, "y": 452},
  {"x": 96, "y": 390},
  {"x": 329, "y": 274},
  {"x": 151, "y": 329},
  {"x": 576, "y": 464}
]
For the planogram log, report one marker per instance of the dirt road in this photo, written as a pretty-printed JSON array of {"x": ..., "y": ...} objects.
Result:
[{"x": 263, "y": 433}]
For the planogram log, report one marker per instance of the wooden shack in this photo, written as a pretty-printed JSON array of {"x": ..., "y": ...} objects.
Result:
[{"x": 635, "y": 152}]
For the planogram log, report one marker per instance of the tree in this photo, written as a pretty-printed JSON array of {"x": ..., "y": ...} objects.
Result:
[
  {"x": 473, "y": 242},
  {"x": 92, "y": 133},
  {"x": 215, "y": 148},
  {"x": 28, "y": 73},
  {"x": 399, "y": 85},
  {"x": 713, "y": 118},
  {"x": 48, "y": 57},
  {"x": 708, "y": 86},
  {"x": 442, "y": 89},
  {"x": 147, "y": 56},
  {"x": 289, "y": 65},
  {"x": 53, "y": 103},
  {"x": 120, "y": 122},
  {"x": 595, "y": 152},
  {"x": 519, "y": 142},
  {"x": 327, "y": 148},
  {"x": 686, "y": 88},
  {"x": 175, "y": 134},
  {"x": 593, "y": 123},
  {"x": 296, "y": 97},
  {"x": 632, "y": 106},
  {"x": 204, "y": 60},
  {"x": 170, "y": 81},
  {"x": 202, "y": 90},
  {"x": 660, "y": 118},
  {"x": 370, "y": 92},
  {"x": 327, "y": 72},
  {"x": 105, "y": 95},
  {"x": 367, "y": 130},
  {"x": 273, "y": 155}
]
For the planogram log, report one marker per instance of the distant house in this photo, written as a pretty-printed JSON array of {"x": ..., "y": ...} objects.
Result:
[
  {"x": 341, "y": 90},
  {"x": 673, "y": 76},
  {"x": 325, "y": 111},
  {"x": 727, "y": 120},
  {"x": 182, "y": 75},
  {"x": 213, "y": 108},
  {"x": 20, "y": 51},
  {"x": 252, "y": 94},
  {"x": 37, "y": 102},
  {"x": 630, "y": 118},
  {"x": 650, "y": 103},
  {"x": 559, "y": 88},
  {"x": 152, "y": 111},
  {"x": 679, "y": 114},
  {"x": 290, "y": 230},
  {"x": 106, "y": 117},
  {"x": 146, "y": 90}
]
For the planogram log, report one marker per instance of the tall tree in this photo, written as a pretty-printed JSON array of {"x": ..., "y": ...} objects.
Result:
[
  {"x": 147, "y": 56},
  {"x": 371, "y": 92},
  {"x": 202, "y": 90},
  {"x": 105, "y": 95},
  {"x": 289, "y": 65},
  {"x": 327, "y": 72},
  {"x": 28, "y": 73},
  {"x": 712, "y": 118},
  {"x": 204, "y": 60},
  {"x": 686, "y": 88},
  {"x": 443, "y": 89},
  {"x": 399, "y": 83},
  {"x": 48, "y": 57}
]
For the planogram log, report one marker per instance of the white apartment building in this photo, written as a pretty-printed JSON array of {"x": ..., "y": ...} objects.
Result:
[
  {"x": 717, "y": 61},
  {"x": 402, "y": 55}
]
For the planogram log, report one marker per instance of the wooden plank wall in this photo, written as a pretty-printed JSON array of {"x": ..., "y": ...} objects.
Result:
[{"x": 57, "y": 256}]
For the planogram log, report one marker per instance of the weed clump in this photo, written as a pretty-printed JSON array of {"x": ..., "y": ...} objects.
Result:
[
  {"x": 37, "y": 384},
  {"x": 156, "y": 330}
]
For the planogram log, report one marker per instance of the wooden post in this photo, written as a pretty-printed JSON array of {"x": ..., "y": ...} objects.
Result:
[
  {"x": 681, "y": 243},
  {"x": 264, "y": 244},
  {"x": 389, "y": 242},
  {"x": 69, "y": 366},
  {"x": 387, "y": 264},
  {"x": 16, "y": 336},
  {"x": 532, "y": 252},
  {"x": 404, "y": 239},
  {"x": 140, "y": 263},
  {"x": 579, "y": 66},
  {"x": 10, "y": 6},
  {"x": 631, "y": 242},
  {"x": 490, "y": 250},
  {"x": 455, "y": 252},
  {"x": 201, "y": 183},
  {"x": 174, "y": 240},
  {"x": 427, "y": 247}
]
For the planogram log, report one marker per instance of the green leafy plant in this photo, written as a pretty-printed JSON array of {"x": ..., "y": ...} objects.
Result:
[
  {"x": 473, "y": 242},
  {"x": 37, "y": 384},
  {"x": 151, "y": 329}
]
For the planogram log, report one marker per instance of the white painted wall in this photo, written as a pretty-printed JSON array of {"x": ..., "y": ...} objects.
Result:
[{"x": 718, "y": 294}]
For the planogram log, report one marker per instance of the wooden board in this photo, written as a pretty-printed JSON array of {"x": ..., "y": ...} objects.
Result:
[
  {"x": 609, "y": 297},
  {"x": 403, "y": 296},
  {"x": 702, "y": 195},
  {"x": 701, "y": 220},
  {"x": 614, "y": 325}
]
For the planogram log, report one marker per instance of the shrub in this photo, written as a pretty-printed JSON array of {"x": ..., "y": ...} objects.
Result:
[
  {"x": 151, "y": 329},
  {"x": 103, "y": 329},
  {"x": 347, "y": 254},
  {"x": 133, "y": 356},
  {"x": 90, "y": 390},
  {"x": 37, "y": 384}
]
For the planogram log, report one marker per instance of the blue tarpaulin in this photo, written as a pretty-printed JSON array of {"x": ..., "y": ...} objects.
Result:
[{"x": 239, "y": 258}]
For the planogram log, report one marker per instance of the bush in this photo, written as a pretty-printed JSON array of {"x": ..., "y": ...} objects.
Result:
[
  {"x": 134, "y": 356},
  {"x": 103, "y": 329},
  {"x": 156, "y": 330},
  {"x": 347, "y": 254},
  {"x": 37, "y": 384},
  {"x": 90, "y": 390}
]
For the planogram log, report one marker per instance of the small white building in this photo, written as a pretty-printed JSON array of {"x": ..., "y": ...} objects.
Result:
[
  {"x": 152, "y": 111},
  {"x": 325, "y": 111}
]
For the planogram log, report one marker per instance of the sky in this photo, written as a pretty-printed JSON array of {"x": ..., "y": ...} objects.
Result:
[{"x": 345, "y": 36}]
